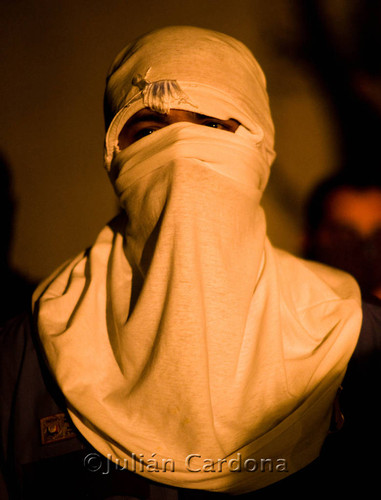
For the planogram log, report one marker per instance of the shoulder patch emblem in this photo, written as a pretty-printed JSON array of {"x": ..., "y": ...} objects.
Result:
[{"x": 56, "y": 428}]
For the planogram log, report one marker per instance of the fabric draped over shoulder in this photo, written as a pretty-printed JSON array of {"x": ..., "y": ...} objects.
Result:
[{"x": 183, "y": 332}]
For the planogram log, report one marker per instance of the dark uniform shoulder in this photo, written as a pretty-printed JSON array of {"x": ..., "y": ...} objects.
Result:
[
  {"x": 34, "y": 425},
  {"x": 369, "y": 343}
]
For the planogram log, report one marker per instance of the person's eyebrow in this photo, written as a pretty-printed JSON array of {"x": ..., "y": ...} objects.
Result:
[{"x": 149, "y": 116}]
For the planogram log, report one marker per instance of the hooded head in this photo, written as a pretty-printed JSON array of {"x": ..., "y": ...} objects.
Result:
[
  {"x": 193, "y": 69},
  {"x": 209, "y": 74}
]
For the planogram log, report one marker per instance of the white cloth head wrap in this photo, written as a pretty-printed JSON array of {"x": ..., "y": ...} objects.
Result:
[
  {"x": 191, "y": 69},
  {"x": 182, "y": 334}
]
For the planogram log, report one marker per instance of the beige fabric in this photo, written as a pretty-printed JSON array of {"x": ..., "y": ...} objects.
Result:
[
  {"x": 182, "y": 330},
  {"x": 218, "y": 76}
]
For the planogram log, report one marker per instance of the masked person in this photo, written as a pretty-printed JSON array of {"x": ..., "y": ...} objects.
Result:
[
  {"x": 181, "y": 350},
  {"x": 343, "y": 227}
]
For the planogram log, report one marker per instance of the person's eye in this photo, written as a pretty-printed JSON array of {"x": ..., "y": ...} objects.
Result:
[
  {"x": 133, "y": 132},
  {"x": 214, "y": 124},
  {"x": 143, "y": 133}
]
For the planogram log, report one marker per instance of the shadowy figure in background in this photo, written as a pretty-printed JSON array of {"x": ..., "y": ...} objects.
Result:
[
  {"x": 343, "y": 228},
  {"x": 16, "y": 289}
]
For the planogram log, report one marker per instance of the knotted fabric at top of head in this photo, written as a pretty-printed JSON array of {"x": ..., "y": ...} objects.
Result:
[{"x": 188, "y": 68}]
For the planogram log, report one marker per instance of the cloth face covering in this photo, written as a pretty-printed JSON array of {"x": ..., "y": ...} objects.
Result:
[{"x": 182, "y": 337}]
